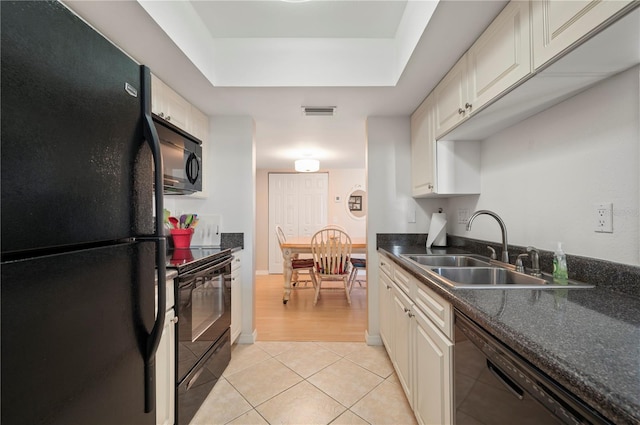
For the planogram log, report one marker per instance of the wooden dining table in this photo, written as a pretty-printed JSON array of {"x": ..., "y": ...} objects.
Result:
[{"x": 302, "y": 245}]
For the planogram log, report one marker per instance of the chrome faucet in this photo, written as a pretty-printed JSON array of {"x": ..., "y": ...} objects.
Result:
[
  {"x": 519, "y": 265},
  {"x": 535, "y": 261},
  {"x": 503, "y": 228}
]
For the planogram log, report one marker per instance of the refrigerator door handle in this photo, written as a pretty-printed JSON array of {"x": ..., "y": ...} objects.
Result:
[{"x": 151, "y": 136}]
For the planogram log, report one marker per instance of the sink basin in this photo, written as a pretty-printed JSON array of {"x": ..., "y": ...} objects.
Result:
[
  {"x": 487, "y": 276},
  {"x": 476, "y": 272},
  {"x": 498, "y": 278},
  {"x": 447, "y": 260}
]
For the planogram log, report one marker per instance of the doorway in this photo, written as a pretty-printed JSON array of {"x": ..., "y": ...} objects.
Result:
[
  {"x": 299, "y": 320},
  {"x": 298, "y": 204}
]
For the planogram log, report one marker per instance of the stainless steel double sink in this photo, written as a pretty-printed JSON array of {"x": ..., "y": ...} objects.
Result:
[{"x": 477, "y": 272}]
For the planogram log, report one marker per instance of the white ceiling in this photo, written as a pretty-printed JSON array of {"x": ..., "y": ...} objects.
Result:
[
  {"x": 319, "y": 19},
  {"x": 337, "y": 40}
]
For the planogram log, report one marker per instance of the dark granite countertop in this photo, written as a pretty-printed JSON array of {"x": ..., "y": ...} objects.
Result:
[{"x": 588, "y": 340}]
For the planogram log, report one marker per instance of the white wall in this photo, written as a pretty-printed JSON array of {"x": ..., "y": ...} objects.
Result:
[
  {"x": 544, "y": 175},
  {"x": 229, "y": 170},
  {"x": 341, "y": 183},
  {"x": 389, "y": 197}
]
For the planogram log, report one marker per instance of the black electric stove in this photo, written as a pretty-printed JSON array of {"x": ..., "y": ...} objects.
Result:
[
  {"x": 203, "y": 307},
  {"x": 186, "y": 259}
]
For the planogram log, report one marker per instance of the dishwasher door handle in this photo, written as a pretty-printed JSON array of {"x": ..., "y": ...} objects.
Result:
[{"x": 508, "y": 383}]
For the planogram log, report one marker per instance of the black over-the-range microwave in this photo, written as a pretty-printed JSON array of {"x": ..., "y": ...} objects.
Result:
[{"x": 182, "y": 157}]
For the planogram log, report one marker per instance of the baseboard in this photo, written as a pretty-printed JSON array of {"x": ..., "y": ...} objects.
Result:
[
  {"x": 262, "y": 272},
  {"x": 372, "y": 339},
  {"x": 245, "y": 338}
]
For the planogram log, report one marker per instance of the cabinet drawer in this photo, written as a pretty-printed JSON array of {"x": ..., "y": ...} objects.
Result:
[
  {"x": 435, "y": 308},
  {"x": 385, "y": 265},
  {"x": 403, "y": 280}
]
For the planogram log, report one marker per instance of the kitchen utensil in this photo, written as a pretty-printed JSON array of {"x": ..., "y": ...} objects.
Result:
[
  {"x": 174, "y": 222},
  {"x": 188, "y": 221},
  {"x": 183, "y": 217}
]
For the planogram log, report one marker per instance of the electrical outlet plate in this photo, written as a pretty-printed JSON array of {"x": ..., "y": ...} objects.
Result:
[
  {"x": 463, "y": 215},
  {"x": 207, "y": 232},
  {"x": 603, "y": 217}
]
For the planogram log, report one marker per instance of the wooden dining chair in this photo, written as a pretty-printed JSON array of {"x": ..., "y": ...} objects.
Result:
[
  {"x": 357, "y": 264},
  {"x": 331, "y": 250},
  {"x": 334, "y": 226},
  {"x": 297, "y": 264}
]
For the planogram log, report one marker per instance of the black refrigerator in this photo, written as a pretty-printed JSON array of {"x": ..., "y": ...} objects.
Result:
[{"x": 80, "y": 241}]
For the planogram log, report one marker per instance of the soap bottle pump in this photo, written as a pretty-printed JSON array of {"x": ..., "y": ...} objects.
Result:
[{"x": 560, "y": 271}]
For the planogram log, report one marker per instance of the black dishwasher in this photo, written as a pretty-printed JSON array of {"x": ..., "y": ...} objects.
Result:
[{"x": 494, "y": 385}]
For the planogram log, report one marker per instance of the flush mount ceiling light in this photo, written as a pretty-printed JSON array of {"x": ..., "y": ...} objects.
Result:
[{"x": 307, "y": 165}]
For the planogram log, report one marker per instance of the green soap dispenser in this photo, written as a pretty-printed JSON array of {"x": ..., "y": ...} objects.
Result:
[{"x": 560, "y": 271}]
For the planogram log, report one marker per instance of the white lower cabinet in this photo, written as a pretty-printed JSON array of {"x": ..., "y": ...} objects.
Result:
[
  {"x": 416, "y": 329},
  {"x": 236, "y": 296},
  {"x": 166, "y": 365},
  {"x": 385, "y": 300},
  {"x": 402, "y": 340},
  {"x": 433, "y": 372}
]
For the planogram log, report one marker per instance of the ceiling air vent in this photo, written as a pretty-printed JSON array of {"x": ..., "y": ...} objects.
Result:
[{"x": 318, "y": 111}]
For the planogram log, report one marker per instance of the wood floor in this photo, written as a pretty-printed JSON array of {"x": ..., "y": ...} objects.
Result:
[{"x": 332, "y": 319}]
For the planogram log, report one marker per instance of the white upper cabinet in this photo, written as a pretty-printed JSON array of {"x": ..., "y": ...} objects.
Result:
[
  {"x": 199, "y": 124},
  {"x": 498, "y": 60},
  {"x": 504, "y": 77},
  {"x": 422, "y": 150},
  {"x": 441, "y": 168},
  {"x": 170, "y": 106},
  {"x": 451, "y": 99},
  {"x": 560, "y": 25},
  {"x": 501, "y": 57},
  {"x": 176, "y": 109},
  {"x": 157, "y": 87}
]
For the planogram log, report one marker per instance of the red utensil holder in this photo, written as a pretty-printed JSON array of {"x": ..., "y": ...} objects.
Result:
[{"x": 181, "y": 237}]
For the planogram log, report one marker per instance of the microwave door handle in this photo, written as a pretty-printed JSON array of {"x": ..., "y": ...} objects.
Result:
[{"x": 153, "y": 341}]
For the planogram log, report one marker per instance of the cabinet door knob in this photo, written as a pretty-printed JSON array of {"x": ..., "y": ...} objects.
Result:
[
  {"x": 161, "y": 114},
  {"x": 430, "y": 186},
  {"x": 467, "y": 106},
  {"x": 168, "y": 118},
  {"x": 174, "y": 320},
  {"x": 461, "y": 111}
]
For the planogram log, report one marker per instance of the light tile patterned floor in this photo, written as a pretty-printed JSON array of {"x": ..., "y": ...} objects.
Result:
[{"x": 307, "y": 383}]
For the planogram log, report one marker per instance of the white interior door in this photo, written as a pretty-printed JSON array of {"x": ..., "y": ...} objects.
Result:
[
  {"x": 312, "y": 203},
  {"x": 298, "y": 204}
]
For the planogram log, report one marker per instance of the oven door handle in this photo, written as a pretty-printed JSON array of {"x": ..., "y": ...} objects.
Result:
[
  {"x": 205, "y": 270},
  {"x": 508, "y": 383}
]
